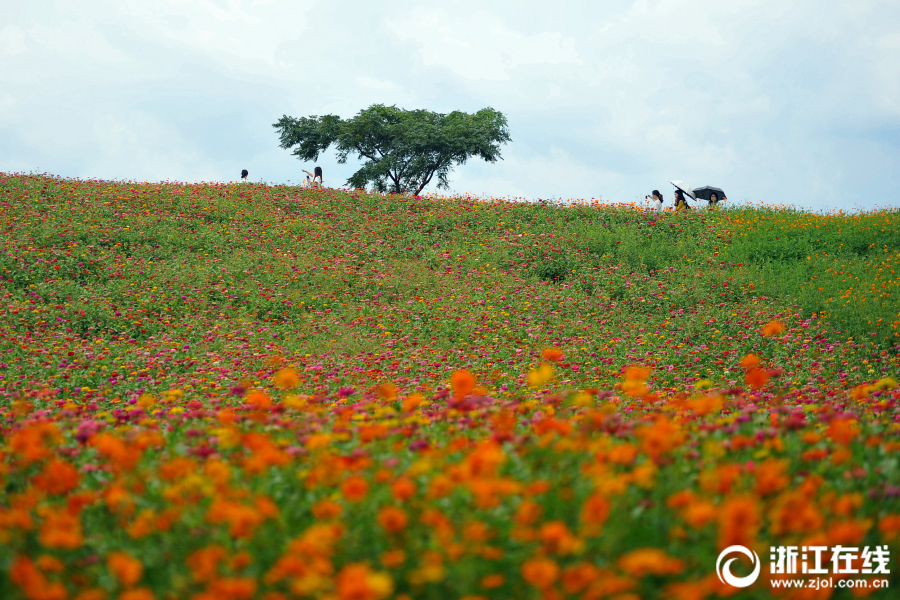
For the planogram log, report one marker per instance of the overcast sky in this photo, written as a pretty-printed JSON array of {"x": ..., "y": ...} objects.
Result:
[{"x": 772, "y": 100}]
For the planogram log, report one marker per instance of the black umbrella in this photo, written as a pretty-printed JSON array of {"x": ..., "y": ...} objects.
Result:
[{"x": 705, "y": 192}]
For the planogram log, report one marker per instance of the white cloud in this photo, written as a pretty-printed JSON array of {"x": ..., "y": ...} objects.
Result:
[
  {"x": 76, "y": 39},
  {"x": 479, "y": 45},
  {"x": 7, "y": 108},
  {"x": 137, "y": 145},
  {"x": 12, "y": 41}
]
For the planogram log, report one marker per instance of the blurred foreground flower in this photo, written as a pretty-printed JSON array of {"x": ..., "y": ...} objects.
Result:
[{"x": 773, "y": 328}]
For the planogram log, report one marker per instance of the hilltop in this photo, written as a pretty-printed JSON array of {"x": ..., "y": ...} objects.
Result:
[{"x": 212, "y": 281}]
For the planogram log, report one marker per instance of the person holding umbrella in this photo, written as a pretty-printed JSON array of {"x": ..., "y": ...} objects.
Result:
[
  {"x": 682, "y": 189},
  {"x": 712, "y": 195},
  {"x": 680, "y": 202}
]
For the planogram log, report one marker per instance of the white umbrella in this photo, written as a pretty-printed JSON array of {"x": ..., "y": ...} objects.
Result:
[{"x": 684, "y": 187}]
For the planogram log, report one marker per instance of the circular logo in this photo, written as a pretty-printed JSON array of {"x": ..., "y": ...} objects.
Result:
[{"x": 724, "y": 571}]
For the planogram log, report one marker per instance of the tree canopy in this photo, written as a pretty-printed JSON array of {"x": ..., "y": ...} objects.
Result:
[{"x": 402, "y": 150}]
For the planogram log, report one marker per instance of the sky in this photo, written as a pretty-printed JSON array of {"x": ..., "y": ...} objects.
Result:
[{"x": 775, "y": 101}]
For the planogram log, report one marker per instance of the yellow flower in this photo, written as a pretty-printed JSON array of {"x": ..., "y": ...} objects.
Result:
[{"x": 541, "y": 375}]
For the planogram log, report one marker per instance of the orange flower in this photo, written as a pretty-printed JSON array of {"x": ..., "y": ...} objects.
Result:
[
  {"x": 705, "y": 405},
  {"x": 690, "y": 590},
  {"x": 557, "y": 538},
  {"x": 58, "y": 477},
  {"x": 649, "y": 561},
  {"x": 59, "y": 529},
  {"x": 440, "y": 486},
  {"x": 392, "y": 519},
  {"x": 26, "y": 575},
  {"x": 793, "y": 512},
  {"x": 359, "y": 582},
  {"x": 578, "y": 577},
  {"x": 661, "y": 437},
  {"x": 540, "y": 572},
  {"x": 622, "y": 454},
  {"x": 137, "y": 594},
  {"x": 843, "y": 430},
  {"x": 204, "y": 563},
  {"x": 287, "y": 379},
  {"x": 594, "y": 513},
  {"x": 264, "y": 453},
  {"x": 354, "y": 488},
  {"x": 125, "y": 568},
  {"x": 635, "y": 382},
  {"x": 258, "y": 400},
  {"x": 318, "y": 540},
  {"x": 118, "y": 500},
  {"x": 91, "y": 594},
  {"x": 177, "y": 468},
  {"x": 50, "y": 564},
  {"x": 33, "y": 442},
  {"x": 528, "y": 512},
  {"x": 720, "y": 479},
  {"x": 462, "y": 382},
  {"x": 403, "y": 489},
  {"x": 756, "y": 378},
  {"x": 637, "y": 374},
  {"x": 773, "y": 328},
  {"x": 387, "y": 391},
  {"x": 476, "y": 531},
  {"x": 889, "y": 526},
  {"x": 122, "y": 456},
  {"x": 233, "y": 588},
  {"x": 241, "y": 560},
  {"x": 771, "y": 477},
  {"x": 847, "y": 504},
  {"x": 751, "y": 361},
  {"x": 492, "y": 581},
  {"x": 700, "y": 513},
  {"x": 552, "y": 354},
  {"x": 325, "y": 510},
  {"x": 393, "y": 558},
  {"x": 485, "y": 459},
  {"x": 848, "y": 533},
  {"x": 739, "y": 521},
  {"x": 242, "y": 520},
  {"x": 412, "y": 402}
]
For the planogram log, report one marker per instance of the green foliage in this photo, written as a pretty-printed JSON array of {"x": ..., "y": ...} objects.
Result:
[
  {"x": 402, "y": 150},
  {"x": 840, "y": 266}
]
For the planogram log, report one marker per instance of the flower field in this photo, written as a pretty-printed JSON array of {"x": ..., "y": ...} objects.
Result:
[{"x": 240, "y": 392}]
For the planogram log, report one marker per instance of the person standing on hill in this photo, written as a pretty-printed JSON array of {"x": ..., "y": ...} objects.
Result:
[
  {"x": 713, "y": 200},
  {"x": 656, "y": 199},
  {"x": 680, "y": 202},
  {"x": 244, "y": 174},
  {"x": 316, "y": 181}
]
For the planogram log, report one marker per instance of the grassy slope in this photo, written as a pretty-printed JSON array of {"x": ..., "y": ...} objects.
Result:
[
  {"x": 125, "y": 287},
  {"x": 209, "y": 277}
]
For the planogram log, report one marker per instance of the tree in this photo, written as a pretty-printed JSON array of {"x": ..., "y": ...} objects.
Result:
[{"x": 401, "y": 150}]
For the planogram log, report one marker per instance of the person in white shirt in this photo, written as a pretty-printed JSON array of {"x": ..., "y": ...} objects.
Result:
[
  {"x": 316, "y": 181},
  {"x": 656, "y": 200},
  {"x": 244, "y": 174}
]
